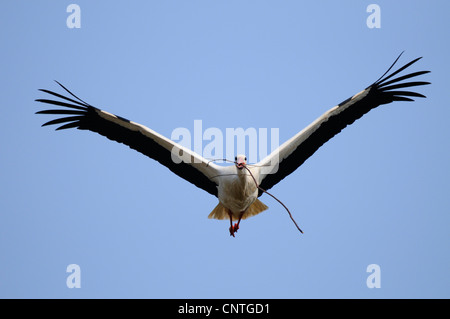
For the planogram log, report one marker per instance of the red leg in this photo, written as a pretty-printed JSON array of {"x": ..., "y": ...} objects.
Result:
[
  {"x": 232, "y": 231},
  {"x": 236, "y": 226}
]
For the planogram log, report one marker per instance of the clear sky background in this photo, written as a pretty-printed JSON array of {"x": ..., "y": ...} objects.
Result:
[{"x": 378, "y": 193}]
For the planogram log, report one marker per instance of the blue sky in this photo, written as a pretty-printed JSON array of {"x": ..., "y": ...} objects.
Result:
[{"x": 375, "y": 194}]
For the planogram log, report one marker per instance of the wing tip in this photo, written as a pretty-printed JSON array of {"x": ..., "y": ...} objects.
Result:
[{"x": 388, "y": 89}]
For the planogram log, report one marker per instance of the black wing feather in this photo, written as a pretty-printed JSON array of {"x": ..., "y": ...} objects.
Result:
[
  {"x": 380, "y": 92},
  {"x": 88, "y": 119}
]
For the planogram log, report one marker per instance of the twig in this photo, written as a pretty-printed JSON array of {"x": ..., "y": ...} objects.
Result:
[{"x": 290, "y": 215}]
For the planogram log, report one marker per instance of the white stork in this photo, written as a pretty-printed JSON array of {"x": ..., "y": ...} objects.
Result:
[{"x": 236, "y": 188}]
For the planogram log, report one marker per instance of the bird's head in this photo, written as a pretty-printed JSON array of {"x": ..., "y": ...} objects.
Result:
[{"x": 240, "y": 161}]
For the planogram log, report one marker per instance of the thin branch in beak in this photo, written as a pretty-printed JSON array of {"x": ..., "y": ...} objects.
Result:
[
  {"x": 263, "y": 190},
  {"x": 241, "y": 162}
]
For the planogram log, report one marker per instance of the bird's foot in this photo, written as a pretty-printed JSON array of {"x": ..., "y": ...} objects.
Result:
[{"x": 233, "y": 229}]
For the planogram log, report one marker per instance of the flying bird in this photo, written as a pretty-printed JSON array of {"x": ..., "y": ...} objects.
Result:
[{"x": 237, "y": 186}]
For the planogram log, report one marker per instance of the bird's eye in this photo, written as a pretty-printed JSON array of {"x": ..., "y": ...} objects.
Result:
[
  {"x": 235, "y": 158},
  {"x": 245, "y": 158}
]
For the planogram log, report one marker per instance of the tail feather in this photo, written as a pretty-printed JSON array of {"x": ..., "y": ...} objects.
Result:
[
  {"x": 221, "y": 212},
  {"x": 254, "y": 209}
]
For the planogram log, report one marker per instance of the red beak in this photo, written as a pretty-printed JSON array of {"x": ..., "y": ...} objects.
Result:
[{"x": 240, "y": 163}]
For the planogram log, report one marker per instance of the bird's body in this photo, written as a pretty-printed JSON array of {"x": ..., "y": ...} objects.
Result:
[
  {"x": 238, "y": 186},
  {"x": 238, "y": 195},
  {"x": 237, "y": 190}
]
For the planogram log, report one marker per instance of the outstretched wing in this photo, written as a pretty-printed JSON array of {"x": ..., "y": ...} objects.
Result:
[
  {"x": 185, "y": 163},
  {"x": 294, "y": 152}
]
